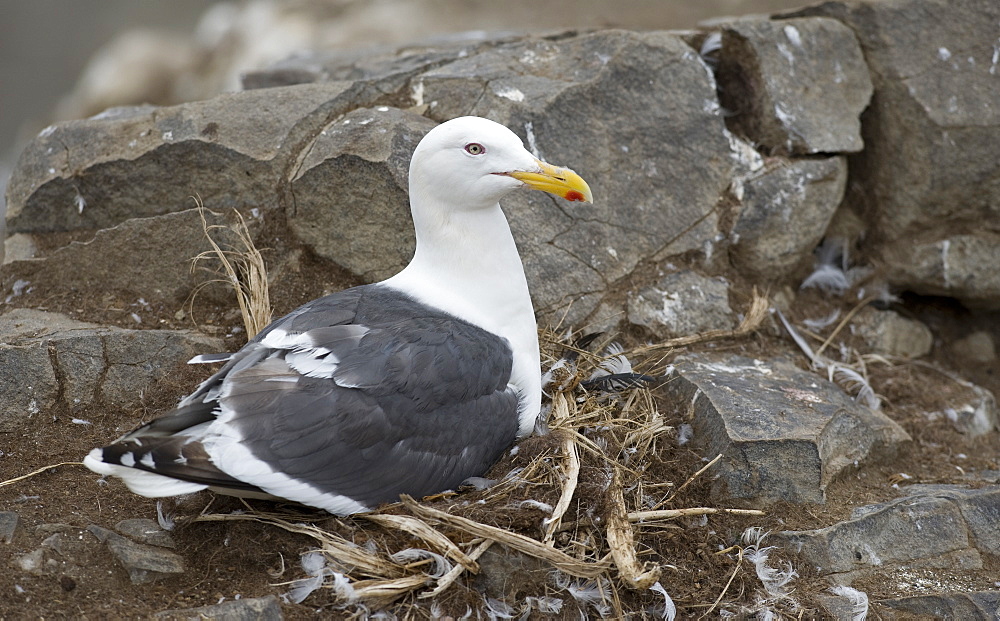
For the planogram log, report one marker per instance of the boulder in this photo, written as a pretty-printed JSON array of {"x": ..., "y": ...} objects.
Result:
[
  {"x": 634, "y": 113},
  {"x": 141, "y": 258},
  {"x": 795, "y": 86},
  {"x": 888, "y": 332},
  {"x": 784, "y": 212},
  {"x": 681, "y": 304},
  {"x": 783, "y": 433},
  {"x": 976, "y": 606},
  {"x": 976, "y": 348},
  {"x": 124, "y": 163},
  {"x": 351, "y": 192}
]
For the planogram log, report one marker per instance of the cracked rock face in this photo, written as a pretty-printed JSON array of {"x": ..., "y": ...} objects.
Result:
[
  {"x": 682, "y": 303},
  {"x": 158, "y": 251},
  {"x": 145, "y": 161},
  {"x": 52, "y": 359},
  {"x": 636, "y": 113},
  {"x": 785, "y": 209},
  {"x": 783, "y": 433}
]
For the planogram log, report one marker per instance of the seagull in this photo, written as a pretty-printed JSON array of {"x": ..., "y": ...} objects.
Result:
[{"x": 406, "y": 386}]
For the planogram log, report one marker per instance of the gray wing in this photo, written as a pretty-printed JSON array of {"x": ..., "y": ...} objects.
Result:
[{"x": 365, "y": 394}]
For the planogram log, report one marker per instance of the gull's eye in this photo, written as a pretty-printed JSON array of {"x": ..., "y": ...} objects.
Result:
[{"x": 474, "y": 148}]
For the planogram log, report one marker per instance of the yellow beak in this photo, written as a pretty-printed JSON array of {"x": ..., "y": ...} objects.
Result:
[{"x": 555, "y": 180}]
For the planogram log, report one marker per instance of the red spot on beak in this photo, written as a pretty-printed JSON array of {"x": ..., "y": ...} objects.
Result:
[{"x": 573, "y": 195}]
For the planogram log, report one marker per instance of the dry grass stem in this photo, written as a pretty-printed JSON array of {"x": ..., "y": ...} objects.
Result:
[
  {"x": 670, "y": 514},
  {"x": 843, "y": 322},
  {"x": 244, "y": 270},
  {"x": 621, "y": 540},
  {"x": 739, "y": 562},
  {"x": 418, "y": 528},
  {"x": 571, "y": 467},
  {"x": 343, "y": 552},
  {"x": 694, "y": 476},
  {"x": 446, "y": 580},
  {"x": 526, "y": 545},
  {"x": 39, "y": 471}
]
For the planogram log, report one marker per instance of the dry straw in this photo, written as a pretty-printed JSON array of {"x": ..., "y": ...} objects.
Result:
[
  {"x": 242, "y": 267},
  {"x": 605, "y": 551},
  {"x": 602, "y": 552}
]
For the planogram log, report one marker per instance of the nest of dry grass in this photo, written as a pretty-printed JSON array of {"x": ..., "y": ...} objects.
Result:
[{"x": 588, "y": 500}]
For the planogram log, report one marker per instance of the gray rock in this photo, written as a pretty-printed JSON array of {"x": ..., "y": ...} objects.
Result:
[
  {"x": 564, "y": 110},
  {"x": 8, "y": 525},
  {"x": 56, "y": 360},
  {"x": 364, "y": 224},
  {"x": 976, "y": 348},
  {"x": 979, "y": 606},
  {"x": 108, "y": 264},
  {"x": 609, "y": 101},
  {"x": 784, "y": 212},
  {"x": 945, "y": 260},
  {"x": 682, "y": 303},
  {"x": 251, "y": 609},
  {"x": 980, "y": 509},
  {"x": 145, "y": 530},
  {"x": 143, "y": 563},
  {"x": 888, "y": 332},
  {"x": 125, "y": 163},
  {"x": 18, "y": 247},
  {"x": 927, "y": 177},
  {"x": 784, "y": 433},
  {"x": 796, "y": 86},
  {"x": 935, "y": 527}
]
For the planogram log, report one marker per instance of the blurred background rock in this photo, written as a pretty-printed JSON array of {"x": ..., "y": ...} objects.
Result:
[{"x": 65, "y": 59}]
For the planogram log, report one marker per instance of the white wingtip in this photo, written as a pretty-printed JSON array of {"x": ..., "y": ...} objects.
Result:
[{"x": 139, "y": 481}]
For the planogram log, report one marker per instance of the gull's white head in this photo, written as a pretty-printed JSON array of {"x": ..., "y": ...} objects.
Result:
[{"x": 471, "y": 163}]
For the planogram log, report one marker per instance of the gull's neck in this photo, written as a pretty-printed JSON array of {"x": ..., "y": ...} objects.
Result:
[
  {"x": 468, "y": 261},
  {"x": 466, "y": 264}
]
